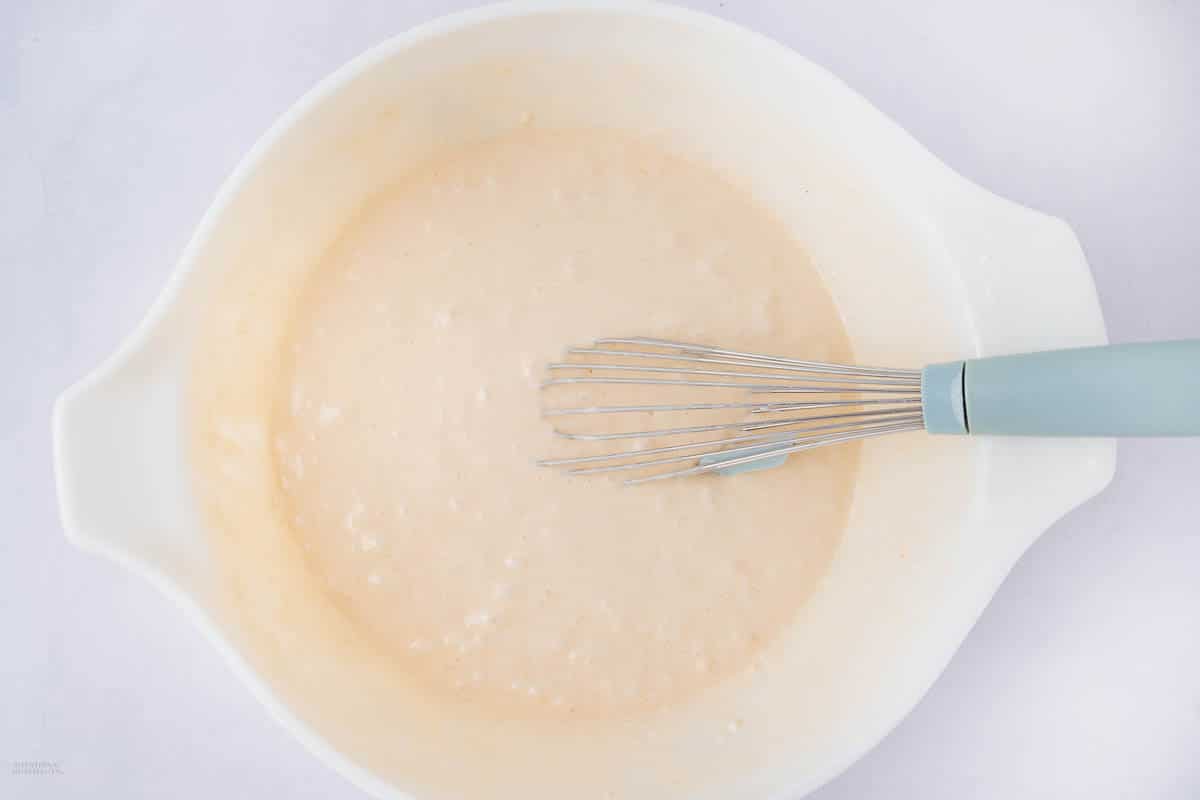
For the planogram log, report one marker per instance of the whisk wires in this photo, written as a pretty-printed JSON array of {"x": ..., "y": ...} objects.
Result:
[{"x": 713, "y": 409}]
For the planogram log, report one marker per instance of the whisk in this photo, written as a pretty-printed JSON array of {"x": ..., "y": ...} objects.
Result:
[{"x": 744, "y": 411}]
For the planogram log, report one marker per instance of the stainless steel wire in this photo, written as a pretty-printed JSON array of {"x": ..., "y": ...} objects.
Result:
[{"x": 853, "y": 402}]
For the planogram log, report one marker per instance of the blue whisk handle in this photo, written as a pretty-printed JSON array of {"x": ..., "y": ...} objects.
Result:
[{"x": 1149, "y": 389}]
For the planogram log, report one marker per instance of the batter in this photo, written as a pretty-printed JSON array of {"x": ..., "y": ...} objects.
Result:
[{"x": 406, "y": 423}]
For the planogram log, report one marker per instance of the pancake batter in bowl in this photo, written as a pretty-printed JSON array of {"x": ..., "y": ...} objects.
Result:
[{"x": 406, "y": 423}]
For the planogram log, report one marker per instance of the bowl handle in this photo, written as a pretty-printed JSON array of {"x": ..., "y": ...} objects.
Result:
[
  {"x": 118, "y": 465},
  {"x": 1029, "y": 284}
]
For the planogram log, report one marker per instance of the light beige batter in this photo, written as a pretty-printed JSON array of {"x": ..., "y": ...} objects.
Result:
[{"x": 407, "y": 422}]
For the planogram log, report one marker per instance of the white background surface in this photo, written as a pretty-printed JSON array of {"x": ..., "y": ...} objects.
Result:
[{"x": 118, "y": 120}]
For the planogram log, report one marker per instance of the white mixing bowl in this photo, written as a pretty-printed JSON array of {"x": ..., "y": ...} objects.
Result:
[{"x": 923, "y": 265}]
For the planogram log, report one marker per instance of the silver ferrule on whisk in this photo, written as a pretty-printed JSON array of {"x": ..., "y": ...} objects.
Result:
[{"x": 779, "y": 406}]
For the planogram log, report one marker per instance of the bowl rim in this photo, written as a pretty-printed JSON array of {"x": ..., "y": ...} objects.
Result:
[{"x": 186, "y": 265}]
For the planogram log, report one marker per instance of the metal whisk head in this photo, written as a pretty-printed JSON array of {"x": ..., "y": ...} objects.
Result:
[{"x": 655, "y": 409}]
